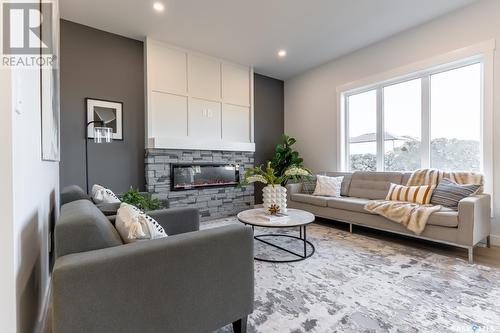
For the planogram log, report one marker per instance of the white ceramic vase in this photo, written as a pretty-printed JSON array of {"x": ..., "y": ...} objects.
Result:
[{"x": 274, "y": 194}]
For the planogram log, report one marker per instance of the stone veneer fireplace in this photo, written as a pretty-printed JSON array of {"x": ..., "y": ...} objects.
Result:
[{"x": 213, "y": 200}]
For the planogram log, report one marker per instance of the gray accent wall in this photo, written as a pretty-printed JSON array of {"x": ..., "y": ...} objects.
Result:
[
  {"x": 101, "y": 65},
  {"x": 268, "y": 120}
]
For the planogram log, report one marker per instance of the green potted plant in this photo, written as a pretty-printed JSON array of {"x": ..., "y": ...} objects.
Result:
[
  {"x": 142, "y": 201},
  {"x": 286, "y": 165}
]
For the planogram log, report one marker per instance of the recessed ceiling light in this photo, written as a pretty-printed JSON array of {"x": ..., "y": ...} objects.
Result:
[
  {"x": 159, "y": 7},
  {"x": 281, "y": 53}
]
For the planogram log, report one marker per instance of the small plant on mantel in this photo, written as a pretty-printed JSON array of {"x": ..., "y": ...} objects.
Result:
[{"x": 142, "y": 201}]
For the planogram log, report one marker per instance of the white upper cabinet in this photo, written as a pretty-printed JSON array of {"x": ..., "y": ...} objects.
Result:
[
  {"x": 169, "y": 115},
  {"x": 204, "y": 77},
  {"x": 195, "y": 101},
  {"x": 204, "y": 119},
  {"x": 168, "y": 69},
  {"x": 235, "y": 123},
  {"x": 235, "y": 84}
]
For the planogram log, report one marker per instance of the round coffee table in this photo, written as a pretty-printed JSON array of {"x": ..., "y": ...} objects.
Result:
[{"x": 296, "y": 218}]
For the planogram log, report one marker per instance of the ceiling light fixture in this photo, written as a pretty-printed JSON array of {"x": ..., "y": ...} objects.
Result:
[
  {"x": 159, "y": 7},
  {"x": 281, "y": 53}
]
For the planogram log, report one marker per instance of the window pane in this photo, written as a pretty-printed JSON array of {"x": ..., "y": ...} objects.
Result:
[
  {"x": 362, "y": 115},
  {"x": 402, "y": 115},
  {"x": 456, "y": 119}
]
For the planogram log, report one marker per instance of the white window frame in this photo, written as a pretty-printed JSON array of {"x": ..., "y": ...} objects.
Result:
[{"x": 482, "y": 53}]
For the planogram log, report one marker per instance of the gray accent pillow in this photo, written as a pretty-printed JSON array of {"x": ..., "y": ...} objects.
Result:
[
  {"x": 309, "y": 185},
  {"x": 448, "y": 193}
]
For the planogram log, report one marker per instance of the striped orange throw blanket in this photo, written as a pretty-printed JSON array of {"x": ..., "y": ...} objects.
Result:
[{"x": 413, "y": 215}]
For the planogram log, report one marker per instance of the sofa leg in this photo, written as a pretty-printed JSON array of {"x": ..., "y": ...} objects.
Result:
[
  {"x": 470, "y": 252},
  {"x": 350, "y": 228},
  {"x": 488, "y": 241},
  {"x": 240, "y": 326}
]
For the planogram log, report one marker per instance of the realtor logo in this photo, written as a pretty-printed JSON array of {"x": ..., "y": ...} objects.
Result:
[{"x": 27, "y": 36}]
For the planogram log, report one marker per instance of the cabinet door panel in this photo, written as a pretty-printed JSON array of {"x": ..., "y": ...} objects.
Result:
[
  {"x": 236, "y": 123},
  {"x": 169, "y": 115},
  {"x": 168, "y": 69},
  {"x": 236, "y": 84},
  {"x": 204, "y": 119},
  {"x": 204, "y": 77}
]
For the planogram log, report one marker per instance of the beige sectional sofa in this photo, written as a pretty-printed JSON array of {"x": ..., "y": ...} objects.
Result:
[{"x": 465, "y": 228}]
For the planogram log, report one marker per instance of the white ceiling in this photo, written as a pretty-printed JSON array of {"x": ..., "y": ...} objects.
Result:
[{"x": 251, "y": 32}]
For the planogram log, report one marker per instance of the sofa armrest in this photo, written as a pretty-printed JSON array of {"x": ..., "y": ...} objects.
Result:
[
  {"x": 193, "y": 282},
  {"x": 72, "y": 193},
  {"x": 474, "y": 219},
  {"x": 293, "y": 188},
  {"x": 177, "y": 220}
]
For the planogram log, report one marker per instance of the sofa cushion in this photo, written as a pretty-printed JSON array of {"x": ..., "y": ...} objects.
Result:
[
  {"x": 109, "y": 209},
  {"x": 348, "y": 203},
  {"x": 309, "y": 199},
  {"x": 346, "y": 182},
  {"x": 416, "y": 194},
  {"x": 100, "y": 194},
  {"x": 373, "y": 185},
  {"x": 448, "y": 193},
  {"x": 309, "y": 185},
  {"x": 328, "y": 186},
  {"x": 134, "y": 225},
  {"x": 446, "y": 217},
  {"x": 83, "y": 227},
  {"x": 406, "y": 177}
]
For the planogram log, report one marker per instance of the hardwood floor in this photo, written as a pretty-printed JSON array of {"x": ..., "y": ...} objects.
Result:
[{"x": 482, "y": 254}]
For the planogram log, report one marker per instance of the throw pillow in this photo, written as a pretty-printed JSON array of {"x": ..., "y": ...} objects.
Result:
[
  {"x": 309, "y": 185},
  {"x": 416, "y": 194},
  {"x": 448, "y": 193},
  {"x": 100, "y": 194},
  {"x": 328, "y": 186},
  {"x": 134, "y": 225}
]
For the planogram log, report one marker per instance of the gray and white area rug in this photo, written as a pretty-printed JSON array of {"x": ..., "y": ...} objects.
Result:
[{"x": 355, "y": 283}]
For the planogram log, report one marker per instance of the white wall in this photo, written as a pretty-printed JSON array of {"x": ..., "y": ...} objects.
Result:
[
  {"x": 36, "y": 198},
  {"x": 30, "y": 192},
  {"x": 8, "y": 276},
  {"x": 310, "y": 98}
]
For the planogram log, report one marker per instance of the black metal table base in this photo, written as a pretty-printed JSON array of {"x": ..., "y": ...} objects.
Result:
[{"x": 300, "y": 256}]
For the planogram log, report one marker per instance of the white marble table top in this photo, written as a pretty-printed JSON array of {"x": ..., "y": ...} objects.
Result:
[{"x": 257, "y": 217}]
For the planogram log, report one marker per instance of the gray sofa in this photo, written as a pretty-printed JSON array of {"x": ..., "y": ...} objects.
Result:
[
  {"x": 191, "y": 281},
  {"x": 465, "y": 228}
]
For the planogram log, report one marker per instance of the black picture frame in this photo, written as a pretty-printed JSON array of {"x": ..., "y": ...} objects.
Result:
[{"x": 117, "y": 106}]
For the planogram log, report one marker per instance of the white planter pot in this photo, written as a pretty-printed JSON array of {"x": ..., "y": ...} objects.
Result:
[{"x": 274, "y": 194}]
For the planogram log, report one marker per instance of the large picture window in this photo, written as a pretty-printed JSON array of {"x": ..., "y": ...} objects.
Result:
[{"x": 431, "y": 119}]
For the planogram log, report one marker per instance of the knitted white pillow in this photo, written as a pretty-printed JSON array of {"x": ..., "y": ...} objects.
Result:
[
  {"x": 133, "y": 225},
  {"x": 100, "y": 194},
  {"x": 328, "y": 186}
]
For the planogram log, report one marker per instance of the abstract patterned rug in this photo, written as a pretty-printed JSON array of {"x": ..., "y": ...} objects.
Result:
[{"x": 355, "y": 283}]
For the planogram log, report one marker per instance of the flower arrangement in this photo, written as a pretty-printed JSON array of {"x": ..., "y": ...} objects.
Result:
[{"x": 270, "y": 177}]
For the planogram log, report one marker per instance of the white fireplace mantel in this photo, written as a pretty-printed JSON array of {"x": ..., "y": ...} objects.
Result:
[{"x": 199, "y": 144}]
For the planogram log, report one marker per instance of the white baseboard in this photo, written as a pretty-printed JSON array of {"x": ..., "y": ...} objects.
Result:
[{"x": 495, "y": 240}]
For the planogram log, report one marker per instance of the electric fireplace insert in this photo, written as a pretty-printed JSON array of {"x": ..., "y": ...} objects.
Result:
[{"x": 196, "y": 176}]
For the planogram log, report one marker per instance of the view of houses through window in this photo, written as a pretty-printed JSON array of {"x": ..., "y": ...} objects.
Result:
[{"x": 430, "y": 121}]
